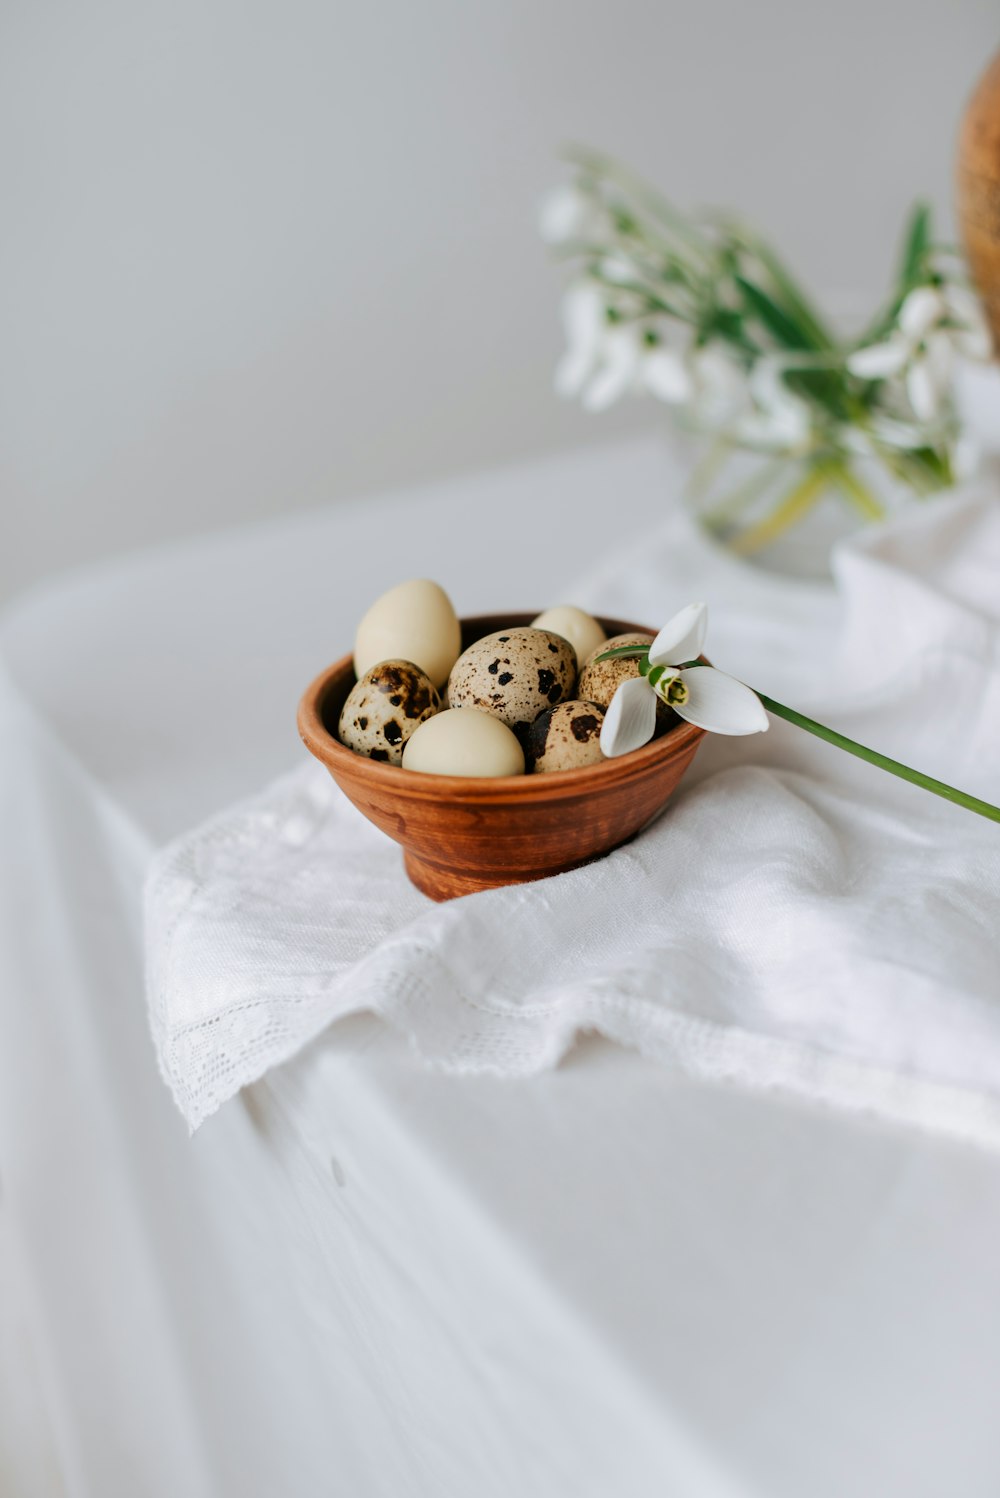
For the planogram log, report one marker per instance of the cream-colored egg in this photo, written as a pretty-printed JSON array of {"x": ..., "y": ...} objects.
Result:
[
  {"x": 412, "y": 622},
  {"x": 581, "y": 629},
  {"x": 463, "y": 741}
]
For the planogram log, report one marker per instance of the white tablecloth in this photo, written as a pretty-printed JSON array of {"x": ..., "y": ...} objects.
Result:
[{"x": 365, "y": 1277}]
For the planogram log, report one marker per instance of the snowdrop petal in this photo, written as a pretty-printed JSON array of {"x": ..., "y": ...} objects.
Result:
[
  {"x": 566, "y": 214},
  {"x": 585, "y": 322},
  {"x": 767, "y": 385},
  {"x": 920, "y": 311},
  {"x": 665, "y": 376},
  {"x": 939, "y": 352},
  {"x": 972, "y": 338},
  {"x": 681, "y": 638},
  {"x": 619, "y": 269},
  {"x": 583, "y": 314},
  {"x": 774, "y": 430},
  {"x": 922, "y": 389},
  {"x": 974, "y": 342},
  {"x": 572, "y": 373},
  {"x": 879, "y": 361},
  {"x": 720, "y": 385},
  {"x": 618, "y": 373},
  {"x": 630, "y": 719},
  {"x": 720, "y": 703},
  {"x": 965, "y": 458},
  {"x": 899, "y": 434}
]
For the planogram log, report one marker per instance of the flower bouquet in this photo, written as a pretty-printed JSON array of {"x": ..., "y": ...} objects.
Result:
[{"x": 700, "y": 313}]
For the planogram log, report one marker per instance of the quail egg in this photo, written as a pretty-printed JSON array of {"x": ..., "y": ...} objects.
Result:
[
  {"x": 566, "y": 737},
  {"x": 414, "y": 621},
  {"x": 600, "y": 680},
  {"x": 464, "y": 741},
  {"x": 383, "y": 709},
  {"x": 581, "y": 630},
  {"x": 515, "y": 674}
]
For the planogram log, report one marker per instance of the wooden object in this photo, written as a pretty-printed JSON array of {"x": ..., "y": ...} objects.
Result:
[
  {"x": 978, "y": 191},
  {"x": 461, "y": 834}
]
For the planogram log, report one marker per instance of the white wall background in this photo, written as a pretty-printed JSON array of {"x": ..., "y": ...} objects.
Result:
[{"x": 257, "y": 256}]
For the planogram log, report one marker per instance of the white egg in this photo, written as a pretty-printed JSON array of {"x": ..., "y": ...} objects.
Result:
[
  {"x": 581, "y": 630},
  {"x": 414, "y": 622},
  {"x": 463, "y": 741}
]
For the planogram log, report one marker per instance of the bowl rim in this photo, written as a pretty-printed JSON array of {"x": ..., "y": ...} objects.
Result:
[{"x": 331, "y": 752}]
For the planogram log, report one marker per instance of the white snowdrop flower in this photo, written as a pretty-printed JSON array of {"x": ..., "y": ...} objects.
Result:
[
  {"x": 585, "y": 321},
  {"x": 965, "y": 457},
  {"x": 665, "y": 375},
  {"x": 972, "y": 337},
  {"x": 619, "y": 269},
  {"x": 567, "y": 214},
  {"x": 618, "y": 370},
  {"x": 929, "y": 375},
  {"x": 719, "y": 386},
  {"x": 781, "y": 420},
  {"x": 892, "y": 433},
  {"x": 934, "y": 324},
  {"x": 700, "y": 694},
  {"x": 922, "y": 310},
  {"x": 880, "y": 361}
]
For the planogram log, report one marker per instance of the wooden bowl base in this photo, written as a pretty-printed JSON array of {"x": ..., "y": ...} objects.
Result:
[{"x": 442, "y": 882}]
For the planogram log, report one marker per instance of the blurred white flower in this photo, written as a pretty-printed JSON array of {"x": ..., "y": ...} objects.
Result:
[
  {"x": 665, "y": 374},
  {"x": 971, "y": 336},
  {"x": 618, "y": 371},
  {"x": 719, "y": 386},
  {"x": 934, "y": 324},
  {"x": 585, "y": 321},
  {"x": 620, "y": 269},
  {"x": 781, "y": 420},
  {"x": 568, "y": 214}
]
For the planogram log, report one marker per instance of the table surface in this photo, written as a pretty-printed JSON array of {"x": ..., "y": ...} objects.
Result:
[{"x": 605, "y": 1279}]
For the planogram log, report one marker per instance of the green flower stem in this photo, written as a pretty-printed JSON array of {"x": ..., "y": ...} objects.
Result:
[
  {"x": 882, "y": 761},
  {"x": 858, "y": 493},
  {"x": 721, "y": 516},
  {"x": 791, "y": 509}
]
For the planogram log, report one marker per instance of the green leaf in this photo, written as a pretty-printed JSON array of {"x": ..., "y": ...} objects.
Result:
[
  {"x": 785, "y": 291},
  {"x": 791, "y": 510},
  {"x": 916, "y": 243},
  {"x": 857, "y": 492},
  {"x": 622, "y": 651},
  {"x": 912, "y": 271},
  {"x": 646, "y": 198},
  {"x": 784, "y": 328}
]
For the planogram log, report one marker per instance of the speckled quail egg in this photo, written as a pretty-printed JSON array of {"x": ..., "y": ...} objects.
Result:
[
  {"x": 600, "y": 680},
  {"x": 515, "y": 674},
  {"x": 581, "y": 629},
  {"x": 414, "y": 622},
  {"x": 464, "y": 741},
  {"x": 566, "y": 737},
  {"x": 383, "y": 709}
]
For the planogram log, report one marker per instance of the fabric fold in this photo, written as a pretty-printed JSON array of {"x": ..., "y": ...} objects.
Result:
[{"x": 796, "y": 919}]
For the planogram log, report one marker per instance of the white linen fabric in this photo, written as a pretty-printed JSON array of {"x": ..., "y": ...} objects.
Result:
[{"x": 796, "y": 919}]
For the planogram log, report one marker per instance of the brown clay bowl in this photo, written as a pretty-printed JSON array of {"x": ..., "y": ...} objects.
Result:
[{"x": 461, "y": 834}]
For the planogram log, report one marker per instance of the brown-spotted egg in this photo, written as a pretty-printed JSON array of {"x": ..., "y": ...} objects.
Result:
[
  {"x": 515, "y": 674},
  {"x": 383, "y": 709},
  {"x": 600, "y": 680},
  {"x": 566, "y": 737}
]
